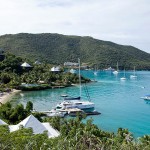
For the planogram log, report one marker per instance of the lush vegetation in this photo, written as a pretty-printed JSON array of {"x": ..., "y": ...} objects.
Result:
[
  {"x": 14, "y": 115},
  {"x": 75, "y": 135},
  {"x": 12, "y": 75},
  {"x": 57, "y": 49}
]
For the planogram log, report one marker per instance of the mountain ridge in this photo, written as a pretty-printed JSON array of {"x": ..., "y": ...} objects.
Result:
[{"x": 58, "y": 48}]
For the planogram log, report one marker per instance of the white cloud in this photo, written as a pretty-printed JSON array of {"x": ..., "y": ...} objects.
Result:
[{"x": 125, "y": 22}]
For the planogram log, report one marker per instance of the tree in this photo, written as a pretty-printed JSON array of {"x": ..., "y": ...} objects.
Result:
[
  {"x": 29, "y": 106},
  {"x": 5, "y": 78}
]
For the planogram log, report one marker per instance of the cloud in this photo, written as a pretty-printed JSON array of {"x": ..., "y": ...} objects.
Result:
[{"x": 125, "y": 22}]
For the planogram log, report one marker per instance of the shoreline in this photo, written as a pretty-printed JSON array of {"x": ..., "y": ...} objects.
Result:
[{"x": 5, "y": 96}]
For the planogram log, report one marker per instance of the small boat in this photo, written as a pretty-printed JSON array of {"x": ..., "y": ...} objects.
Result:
[
  {"x": 109, "y": 69},
  {"x": 64, "y": 95},
  {"x": 123, "y": 78},
  {"x": 146, "y": 97},
  {"x": 133, "y": 76},
  {"x": 54, "y": 113},
  {"x": 75, "y": 111},
  {"x": 95, "y": 71},
  {"x": 116, "y": 71},
  {"x": 72, "y": 98}
]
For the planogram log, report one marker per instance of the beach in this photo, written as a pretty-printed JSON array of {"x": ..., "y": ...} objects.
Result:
[{"x": 6, "y": 96}]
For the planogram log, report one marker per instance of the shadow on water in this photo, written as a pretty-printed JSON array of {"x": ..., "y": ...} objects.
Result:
[{"x": 147, "y": 101}]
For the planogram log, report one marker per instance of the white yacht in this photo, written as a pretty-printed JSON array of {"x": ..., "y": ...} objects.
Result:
[{"x": 83, "y": 105}]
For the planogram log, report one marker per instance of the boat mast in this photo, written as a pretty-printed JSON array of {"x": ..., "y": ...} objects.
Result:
[
  {"x": 79, "y": 76},
  {"x": 124, "y": 72},
  {"x": 117, "y": 66}
]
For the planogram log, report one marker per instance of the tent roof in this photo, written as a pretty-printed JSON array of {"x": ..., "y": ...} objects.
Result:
[
  {"x": 36, "y": 125},
  {"x": 25, "y": 65},
  {"x": 2, "y": 122}
]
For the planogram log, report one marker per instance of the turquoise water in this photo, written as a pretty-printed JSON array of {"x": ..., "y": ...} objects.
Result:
[{"x": 118, "y": 101}]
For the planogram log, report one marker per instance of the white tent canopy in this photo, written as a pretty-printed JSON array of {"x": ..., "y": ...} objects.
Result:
[
  {"x": 36, "y": 125},
  {"x": 26, "y": 65},
  {"x": 2, "y": 122}
]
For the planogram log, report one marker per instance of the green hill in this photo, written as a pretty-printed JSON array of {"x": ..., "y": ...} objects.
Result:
[{"x": 57, "y": 49}]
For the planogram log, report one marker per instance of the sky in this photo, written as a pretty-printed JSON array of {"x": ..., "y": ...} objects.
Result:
[{"x": 125, "y": 22}]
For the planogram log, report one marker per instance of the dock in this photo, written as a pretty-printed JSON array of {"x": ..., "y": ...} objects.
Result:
[
  {"x": 68, "y": 112},
  {"x": 92, "y": 113}
]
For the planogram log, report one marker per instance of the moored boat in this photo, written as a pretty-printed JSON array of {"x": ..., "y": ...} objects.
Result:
[
  {"x": 123, "y": 78},
  {"x": 109, "y": 69},
  {"x": 54, "y": 113},
  {"x": 146, "y": 97},
  {"x": 116, "y": 71},
  {"x": 75, "y": 112},
  {"x": 83, "y": 105},
  {"x": 133, "y": 76},
  {"x": 64, "y": 95}
]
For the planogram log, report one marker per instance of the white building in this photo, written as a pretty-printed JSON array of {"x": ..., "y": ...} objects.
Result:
[
  {"x": 55, "y": 69},
  {"x": 26, "y": 65},
  {"x": 37, "y": 62},
  {"x": 71, "y": 64}
]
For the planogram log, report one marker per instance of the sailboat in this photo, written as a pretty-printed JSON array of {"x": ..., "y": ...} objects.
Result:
[
  {"x": 133, "y": 76},
  {"x": 70, "y": 103},
  {"x": 95, "y": 72},
  {"x": 116, "y": 71},
  {"x": 123, "y": 78}
]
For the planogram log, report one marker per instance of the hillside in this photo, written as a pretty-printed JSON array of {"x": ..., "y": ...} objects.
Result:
[{"x": 57, "y": 49}]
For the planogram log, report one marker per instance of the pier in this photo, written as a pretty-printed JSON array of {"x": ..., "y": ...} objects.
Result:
[{"x": 67, "y": 112}]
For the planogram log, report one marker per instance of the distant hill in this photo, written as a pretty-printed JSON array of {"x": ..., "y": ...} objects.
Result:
[{"x": 57, "y": 49}]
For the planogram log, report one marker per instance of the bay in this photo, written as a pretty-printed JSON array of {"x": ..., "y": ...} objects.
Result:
[{"x": 118, "y": 101}]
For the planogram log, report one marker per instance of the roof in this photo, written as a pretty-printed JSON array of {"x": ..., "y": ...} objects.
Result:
[
  {"x": 2, "y": 122},
  {"x": 55, "y": 69},
  {"x": 36, "y": 125},
  {"x": 37, "y": 62},
  {"x": 51, "y": 131},
  {"x": 26, "y": 65}
]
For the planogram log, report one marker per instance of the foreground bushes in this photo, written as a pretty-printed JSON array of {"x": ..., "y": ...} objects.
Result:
[{"x": 75, "y": 135}]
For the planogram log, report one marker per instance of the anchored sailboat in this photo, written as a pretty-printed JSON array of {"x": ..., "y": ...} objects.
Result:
[
  {"x": 95, "y": 72},
  {"x": 133, "y": 76},
  {"x": 123, "y": 78},
  {"x": 116, "y": 71}
]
